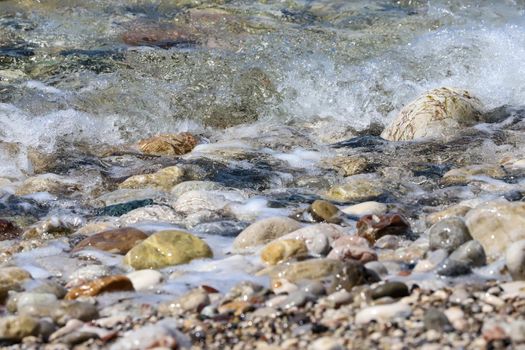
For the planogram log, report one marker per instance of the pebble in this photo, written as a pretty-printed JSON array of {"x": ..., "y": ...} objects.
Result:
[
  {"x": 456, "y": 317},
  {"x": 515, "y": 260},
  {"x": 308, "y": 270},
  {"x": 452, "y": 211},
  {"x": 24, "y": 300},
  {"x": 453, "y": 268},
  {"x": 435, "y": 320},
  {"x": 167, "y": 248},
  {"x": 326, "y": 343},
  {"x": 322, "y": 210},
  {"x": 496, "y": 225},
  {"x": 390, "y": 289},
  {"x": 163, "y": 332},
  {"x": 353, "y": 274},
  {"x": 359, "y": 253},
  {"x": 144, "y": 279},
  {"x": 357, "y": 188},
  {"x": 168, "y": 144},
  {"x": 163, "y": 179},
  {"x": 194, "y": 201},
  {"x": 264, "y": 231},
  {"x": 382, "y": 313},
  {"x": 377, "y": 267},
  {"x": 317, "y": 237},
  {"x": 438, "y": 113},
  {"x": 283, "y": 249},
  {"x": 187, "y": 186},
  {"x": 464, "y": 175},
  {"x": 448, "y": 234},
  {"x": 340, "y": 297},
  {"x": 517, "y": 331},
  {"x": 471, "y": 253},
  {"x": 373, "y": 227},
  {"x": 8, "y": 230},
  {"x": 118, "y": 241},
  {"x": 99, "y": 286},
  {"x": 193, "y": 300},
  {"x": 365, "y": 208},
  {"x": 88, "y": 273},
  {"x": 150, "y": 213},
  {"x": 16, "y": 328}
]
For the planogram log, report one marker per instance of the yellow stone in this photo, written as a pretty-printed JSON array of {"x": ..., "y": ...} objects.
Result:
[
  {"x": 167, "y": 248},
  {"x": 165, "y": 178},
  {"x": 284, "y": 249}
]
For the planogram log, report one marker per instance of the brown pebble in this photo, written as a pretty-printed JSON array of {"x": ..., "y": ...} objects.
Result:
[{"x": 117, "y": 283}]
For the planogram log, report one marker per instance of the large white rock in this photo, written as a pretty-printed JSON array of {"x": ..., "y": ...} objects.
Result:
[
  {"x": 436, "y": 114},
  {"x": 496, "y": 225}
]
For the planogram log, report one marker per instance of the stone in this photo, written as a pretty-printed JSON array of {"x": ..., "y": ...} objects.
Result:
[
  {"x": 307, "y": 270},
  {"x": 453, "y": 268},
  {"x": 455, "y": 210},
  {"x": 357, "y": 188},
  {"x": 53, "y": 227},
  {"x": 515, "y": 260},
  {"x": 471, "y": 253},
  {"x": 194, "y": 300},
  {"x": 99, "y": 286},
  {"x": 195, "y": 201},
  {"x": 436, "y": 320},
  {"x": 168, "y": 144},
  {"x": 187, "y": 186},
  {"x": 461, "y": 176},
  {"x": 10, "y": 280},
  {"x": 349, "y": 166},
  {"x": 48, "y": 286},
  {"x": 283, "y": 249},
  {"x": 324, "y": 211},
  {"x": 356, "y": 252},
  {"x": 8, "y": 230},
  {"x": 373, "y": 227},
  {"x": 167, "y": 248},
  {"x": 264, "y": 231},
  {"x": 118, "y": 241},
  {"x": 377, "y": 267},
  {"x": 88, "y": 273},
  {"x": 352, "y": 274},
  {"x": 54, "y": 184},
  {"x": 326, "y": 343},
  {"x": 24, "y": 300},
  {"x": 496, "y": 225},
  {"x": 73, "y": 310},
  {"x": 164, "y": 179},
  {"x": 151, "y": 213},
  {"x": 439, "y": 113},
  {"x": 127, "y": 195},
  {"x": 16, "y": 328},
  {"x": 151, "y": 336},
  {"x": 163, "y": 35},
  {"x": 144, "y": 279},
  {"x": 236, "y": 307},
  {"x": 317, "y": 237},
  {"x": 448, "y": 234},
  {"x": 517, "y": 331},
  {"x": 390, "y": 289},
  {"x": 382, "y": 313},
  {"x": 365, "y": 208}
]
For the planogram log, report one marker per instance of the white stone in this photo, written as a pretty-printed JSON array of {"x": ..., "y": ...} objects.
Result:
[
  {"x": 144, "y": 279},
  {"x": 515, "y": 260},
  {"x": 365, "y": 208},
  {"x": 383, "y": 313},
  {"x": 438, "y": 113}
]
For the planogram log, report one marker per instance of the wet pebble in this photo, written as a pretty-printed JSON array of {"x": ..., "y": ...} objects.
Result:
[
  {"x": 448, "y": 234},
  {"x": 390, "y": 289},
  {"x": 515, "y": 260},
  {"x": 264, "y": 231},
  {"x": 453, "y": 268},
  {"x": 373, "y": 227},
  {"x": 163, "y": 179},
  {"x": 99, "y": 286},
  {"x": 167, "y": 248},
  {"x": 471, "y": 253},
  {"x": 324, "y": 211},
  {"x": 168, "y": 144},
  {"x": 365, "y": 208},
  {"x": 283, "y": 249},
  {"x": 118, "y": 241},
  {"x": 144, "y": 279}
]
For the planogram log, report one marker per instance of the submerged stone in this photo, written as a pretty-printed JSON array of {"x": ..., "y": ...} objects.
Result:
[
  {"x": 264, "y": 231},
  {"x": 168, "y": 144},
  {"x": 99, "y": 286},
  {"x": 122, "y": 208},
  {"x": 449, "y": 234},
  {"x": 118, "y": 241},
  {"x": 283, "y": 249},
  {"x": 373, "y": 227}
]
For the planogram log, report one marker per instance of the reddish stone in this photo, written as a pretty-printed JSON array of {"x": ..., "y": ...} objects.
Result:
[
  {"x": 101, "y": 285},
  {"x": 118, "y": 241},
  {"x": 164, "y": 36},
  {"x": 373, "y": 227}
]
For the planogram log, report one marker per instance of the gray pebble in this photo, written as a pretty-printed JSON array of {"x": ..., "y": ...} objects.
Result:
[
  {"x": 436, "y": 320},
  {"x": 449, "y": 234},
  {"x": 390, "y": 289},
  {"x": 471, "y": 252},
  {"x": 453, "y": 268}
]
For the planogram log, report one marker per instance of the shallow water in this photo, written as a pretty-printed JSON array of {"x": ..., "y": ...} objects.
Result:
[{"x": 274, "y": 90}]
